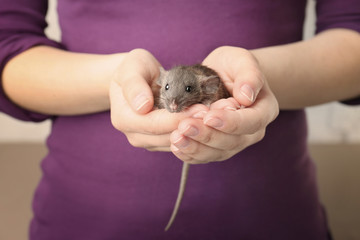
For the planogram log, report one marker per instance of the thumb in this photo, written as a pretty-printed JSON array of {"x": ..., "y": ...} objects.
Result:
[
  {"x": 138, "y": 94},
  {"x": 247, "y": 87},
  {"x": 136, "y": 75}
]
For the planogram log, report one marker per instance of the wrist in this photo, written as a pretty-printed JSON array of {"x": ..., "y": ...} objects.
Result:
[{"x": 109, "y": 65}]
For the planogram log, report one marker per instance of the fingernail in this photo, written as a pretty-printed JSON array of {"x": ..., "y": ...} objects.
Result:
[
  {"x": 199, "y": 115},
  {"x": 181, "y": 142},
  {"x": 174, "y": 148},
  {"x": 140, "y": 101},
  {"x": 247, "y": 91},
  {"x": 214, "y": 122},
  {"x": 191, "y": 131},
  {"x": 230, "y": 108}
]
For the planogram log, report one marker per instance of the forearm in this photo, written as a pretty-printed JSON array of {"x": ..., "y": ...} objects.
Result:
[
  {"x": 325, "y": 68},
  {"x": 52, "y": 81}
]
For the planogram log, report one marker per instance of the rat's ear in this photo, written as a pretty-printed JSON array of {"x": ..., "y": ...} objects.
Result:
[
  {"x": 210, "y": 84},
  {"x": 162, "y": 76}
]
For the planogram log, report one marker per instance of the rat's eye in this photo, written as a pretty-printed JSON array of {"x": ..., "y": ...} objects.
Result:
[
  {"x": 167, "y": 87},
  {"x": 188, "y": 88}
]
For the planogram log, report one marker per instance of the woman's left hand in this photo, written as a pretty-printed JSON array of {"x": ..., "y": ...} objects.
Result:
[{"x": 230, "y": 125}]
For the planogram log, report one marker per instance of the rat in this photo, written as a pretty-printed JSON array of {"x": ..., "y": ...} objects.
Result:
[{"x": 181, "y": 87}]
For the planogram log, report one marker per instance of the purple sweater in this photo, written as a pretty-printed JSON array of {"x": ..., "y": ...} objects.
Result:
[{"x": 95, "y": 185}]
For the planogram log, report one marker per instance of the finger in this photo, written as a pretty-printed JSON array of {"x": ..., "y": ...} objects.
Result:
[
  {"x": 194, "y": 152},
  {"x": 226, "y": 104},
  {"x": 136, "y": 75},
  {"x": 159, "y": 149},
  {"x": 126, "y": 120},
  {"x": 154, "y": 142},
  {"x": 248, "y": 84},
  {"x": 195, "y": 129},
  {"x": 240, "y": 72},
  {"x": 182, "y": 156},
  {"x": 247, "y": 120}
]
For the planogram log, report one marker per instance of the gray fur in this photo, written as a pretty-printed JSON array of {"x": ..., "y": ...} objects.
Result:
[{"x": 206, "y": 87}]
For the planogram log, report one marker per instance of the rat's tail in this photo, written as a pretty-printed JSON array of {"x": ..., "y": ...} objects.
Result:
[{"x": 184, "y": 174}]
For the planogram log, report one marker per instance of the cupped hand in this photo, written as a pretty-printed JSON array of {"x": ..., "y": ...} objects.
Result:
[
  {"x": 230, "y": 125},
  {"x": 132, "y": 101}
]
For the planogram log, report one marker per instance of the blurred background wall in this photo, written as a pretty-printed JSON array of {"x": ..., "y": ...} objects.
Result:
[{"x": 334, "y": 137}]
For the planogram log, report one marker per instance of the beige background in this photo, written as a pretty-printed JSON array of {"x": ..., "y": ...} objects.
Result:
[{"x": 334, "y": 135}]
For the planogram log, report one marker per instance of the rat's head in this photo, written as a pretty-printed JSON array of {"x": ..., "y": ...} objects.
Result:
[
  {"x": 179, "y": 89},
  {"x": 183, "y": 86}
]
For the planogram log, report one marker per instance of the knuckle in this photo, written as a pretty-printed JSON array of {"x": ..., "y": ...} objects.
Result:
[
  {"x": 139, "y": 51},
  {"x": 218, "y": 52},
  {"x": 221, "y": 49},
  {"x": 257, "y": 125},
  {"x": 153, "y": 129},
  {"x": 187, "y": 159},
  {"x": 255, "y": 76},
  {"x": 231, "y": 145},
  {"x": 206, "y": 138},
  {"x": 262, "y": 124},
  {"x": 191, "y": 149},
  {"x": 157, "y": 149},
  {"x": 233, "y": 128},
  {"x": 117, "y": 124},
  {"x": 260, "y": 135},
  {"x": 184, "y": 157},
  {"x": 203, "y": 161},
  {"x": 130, "y": 88},
  {"x": 219, "y": 156},
  {"x": 275, "y": 112},
  {"x": 262, "y": 79},
  {"x": 135, "y": 142},
  {"x": 152, "y": 149},
  {"x": 132, "y": 142},
  {"x": 225, "y": 155},
  {"x": 120, "y": 124}
]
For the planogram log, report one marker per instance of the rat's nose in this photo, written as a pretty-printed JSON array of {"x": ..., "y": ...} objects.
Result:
[{"x": 173, "y": 106}]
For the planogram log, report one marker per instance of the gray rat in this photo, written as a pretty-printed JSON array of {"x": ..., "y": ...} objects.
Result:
[{"x": 181, "y": 87}]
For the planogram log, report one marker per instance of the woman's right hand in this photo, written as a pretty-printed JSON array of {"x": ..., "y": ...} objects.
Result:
[{"x": 132, "y": 100}]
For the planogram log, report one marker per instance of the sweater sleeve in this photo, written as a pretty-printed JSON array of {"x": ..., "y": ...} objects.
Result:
[
  {"x": 22, "y": 24},
  {"x": 339, "y": 14}
]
